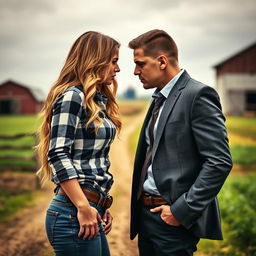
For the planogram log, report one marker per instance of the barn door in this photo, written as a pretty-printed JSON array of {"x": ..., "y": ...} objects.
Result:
[
  {"x": 251, "y": 101},
  {"x": 8, "y": 107}
]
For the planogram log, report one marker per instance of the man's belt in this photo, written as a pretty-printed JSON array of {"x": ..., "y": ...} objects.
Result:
[
  {"x": 92, "y": 196},
  {"x": 149, "y": 200}
]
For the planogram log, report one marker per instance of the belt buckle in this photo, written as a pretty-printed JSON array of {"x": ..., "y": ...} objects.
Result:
[
  {"x": 103, "y": 200},
  {"x": 151, "y": 200},
  {"x": 110, "y": 201},
  {"x": 100, "y": 200}
]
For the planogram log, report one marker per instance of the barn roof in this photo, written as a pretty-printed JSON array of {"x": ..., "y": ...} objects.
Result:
[
  {"x": 36, "y": 92},
  {"x": 241, "y": 52}
]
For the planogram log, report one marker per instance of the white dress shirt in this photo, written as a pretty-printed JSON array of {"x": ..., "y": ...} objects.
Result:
[{"x": 149, "y": 185}]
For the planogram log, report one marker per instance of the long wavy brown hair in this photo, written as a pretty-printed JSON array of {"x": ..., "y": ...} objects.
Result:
[{"x": 86, "y": 64}]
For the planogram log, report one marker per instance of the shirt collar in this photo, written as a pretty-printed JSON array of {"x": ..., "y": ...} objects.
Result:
[
  {"x": 168, "y": 87},
  {"x": 101, "y": 100}
]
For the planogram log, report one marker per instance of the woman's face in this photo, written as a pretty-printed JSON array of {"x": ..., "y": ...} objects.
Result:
[{"x": 112, "y": 68}]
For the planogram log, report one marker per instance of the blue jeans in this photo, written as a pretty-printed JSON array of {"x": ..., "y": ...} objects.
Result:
[{"x": 62, "y": 229}]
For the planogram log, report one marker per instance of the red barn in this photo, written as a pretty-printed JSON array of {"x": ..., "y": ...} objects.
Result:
[
  {"x": 16, "y": 98},
  {"x": 236, "y": 82}
]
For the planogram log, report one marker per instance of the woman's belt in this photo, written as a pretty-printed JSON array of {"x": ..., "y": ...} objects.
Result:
[{"x": 92, "y": 196}]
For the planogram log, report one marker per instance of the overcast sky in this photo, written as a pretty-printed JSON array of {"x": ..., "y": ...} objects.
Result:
[{"x": 36, "y": 35}]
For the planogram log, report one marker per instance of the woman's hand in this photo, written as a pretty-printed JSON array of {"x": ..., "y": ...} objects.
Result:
[
  {"x": 108, "y": 221},
  {"x": 88, "y": 218}
]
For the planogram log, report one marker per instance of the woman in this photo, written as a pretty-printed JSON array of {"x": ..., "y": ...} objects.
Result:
[{"x": 80, "y": 118}]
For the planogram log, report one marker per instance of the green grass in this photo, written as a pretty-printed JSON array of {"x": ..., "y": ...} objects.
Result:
[
  {"x": 243, "y": 155},
  {"x": 237, "y": 201},
  {"x": 21, "y": 163},
  {"x": 243, "y": 126},
  {"x": 24, "y": 141},
  {"x": 11, "y": 125},
  {"x": 18, "y": 124},
  {"x": 10, "y": 204},
  {"x": 15, "y": 152}
]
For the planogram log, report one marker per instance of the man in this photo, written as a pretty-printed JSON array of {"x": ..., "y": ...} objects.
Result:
[{"x": 182, "y": 158}]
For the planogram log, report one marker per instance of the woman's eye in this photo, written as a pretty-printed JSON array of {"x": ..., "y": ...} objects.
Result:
[{"x": 114, "y": 61}]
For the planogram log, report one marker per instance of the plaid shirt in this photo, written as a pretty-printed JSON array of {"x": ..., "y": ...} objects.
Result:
[{"x": 76, "y": 151}]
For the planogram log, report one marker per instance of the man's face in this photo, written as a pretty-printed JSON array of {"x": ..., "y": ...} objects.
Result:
[{"x": 148, "y": 69}]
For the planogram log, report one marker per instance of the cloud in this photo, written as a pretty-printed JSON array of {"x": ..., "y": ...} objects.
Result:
[
  {"x": 35, "y": 36},
  {"x": 15, "y": 7}
]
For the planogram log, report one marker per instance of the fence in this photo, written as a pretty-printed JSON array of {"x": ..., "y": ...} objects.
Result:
[{"x": 12, "y": 159}]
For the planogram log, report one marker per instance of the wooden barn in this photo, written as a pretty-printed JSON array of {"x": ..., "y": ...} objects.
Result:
[
  {"x": 16, "y": 98},
  {"x": 236, "y": 82}
]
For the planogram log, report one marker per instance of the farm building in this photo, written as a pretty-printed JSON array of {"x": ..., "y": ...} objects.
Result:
[
  {"x": 130, "y": 93},
  {"x": 236, "y": 82},
  {"x": 21, "y": 99}
]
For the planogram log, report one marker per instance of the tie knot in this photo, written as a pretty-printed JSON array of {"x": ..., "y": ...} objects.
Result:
[{"x": 159, "y": 101}]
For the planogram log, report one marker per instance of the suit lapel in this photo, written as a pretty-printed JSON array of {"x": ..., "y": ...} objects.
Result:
[{"x": 169, "y": 104}]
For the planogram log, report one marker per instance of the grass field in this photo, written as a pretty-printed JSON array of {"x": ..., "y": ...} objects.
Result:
[
  {"x": 242, "y": 126},
  {"x": 10, "y": 201},
  {"x": 11, "y": 125},
  {"x": 18, "y": 124}
]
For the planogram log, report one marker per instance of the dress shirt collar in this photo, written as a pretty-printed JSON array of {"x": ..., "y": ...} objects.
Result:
[{"x": 168, "y": 87}]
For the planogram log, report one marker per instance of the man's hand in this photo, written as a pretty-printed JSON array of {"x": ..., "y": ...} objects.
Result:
[
  {"x": 166, "y": 215},
  {"x": 108, "y": 221}
]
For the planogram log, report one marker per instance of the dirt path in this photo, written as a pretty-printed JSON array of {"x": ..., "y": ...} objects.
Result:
[
  {"x": 25, "y": 235},
  {"x": 122, "y": 164}
]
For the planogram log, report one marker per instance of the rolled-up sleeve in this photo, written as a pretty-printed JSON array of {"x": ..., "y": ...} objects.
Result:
[{"x": 65, "y": 119}]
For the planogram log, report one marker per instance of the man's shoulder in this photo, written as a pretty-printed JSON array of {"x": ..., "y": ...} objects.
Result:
[
  {"x": 190, "y": 83},
  {"x": 194, "y": 86}
]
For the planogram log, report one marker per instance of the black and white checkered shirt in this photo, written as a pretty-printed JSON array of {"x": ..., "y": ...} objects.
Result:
[{"x": 76, "y": 151}]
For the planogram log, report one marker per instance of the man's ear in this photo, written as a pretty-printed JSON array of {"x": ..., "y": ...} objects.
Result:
[{"x": 162, "y": 59}]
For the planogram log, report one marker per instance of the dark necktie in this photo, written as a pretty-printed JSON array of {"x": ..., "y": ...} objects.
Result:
[{"x": 158, "y": 102}]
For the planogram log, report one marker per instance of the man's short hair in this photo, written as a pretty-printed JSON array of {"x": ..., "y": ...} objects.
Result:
[{"x": 155, "y": 42}]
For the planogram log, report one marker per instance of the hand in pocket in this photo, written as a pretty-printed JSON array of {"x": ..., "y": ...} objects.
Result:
[{"x": 166, "y": 215}]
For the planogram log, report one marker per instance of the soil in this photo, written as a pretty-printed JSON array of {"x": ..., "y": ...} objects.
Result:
[
  {"x": 122, "y": 166},
  {"x": 25, "y": 235}
]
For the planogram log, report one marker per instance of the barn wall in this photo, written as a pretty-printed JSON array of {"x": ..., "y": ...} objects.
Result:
[
  {"x": 26, "y": 102},
  {"x": 232, "y": 88},
  {"x": 243, "y": 62}
]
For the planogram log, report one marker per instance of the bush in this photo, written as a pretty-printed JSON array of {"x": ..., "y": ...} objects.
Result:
[{"x": 238, "y": 204}]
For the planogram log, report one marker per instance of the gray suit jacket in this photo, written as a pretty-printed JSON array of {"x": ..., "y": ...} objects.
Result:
[{"x": 191, "y": 157}]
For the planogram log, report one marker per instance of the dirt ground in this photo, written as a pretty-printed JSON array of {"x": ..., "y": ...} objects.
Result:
[
  {"x": 25, "y": 234},
  {"x": 122, "y": 164}
]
